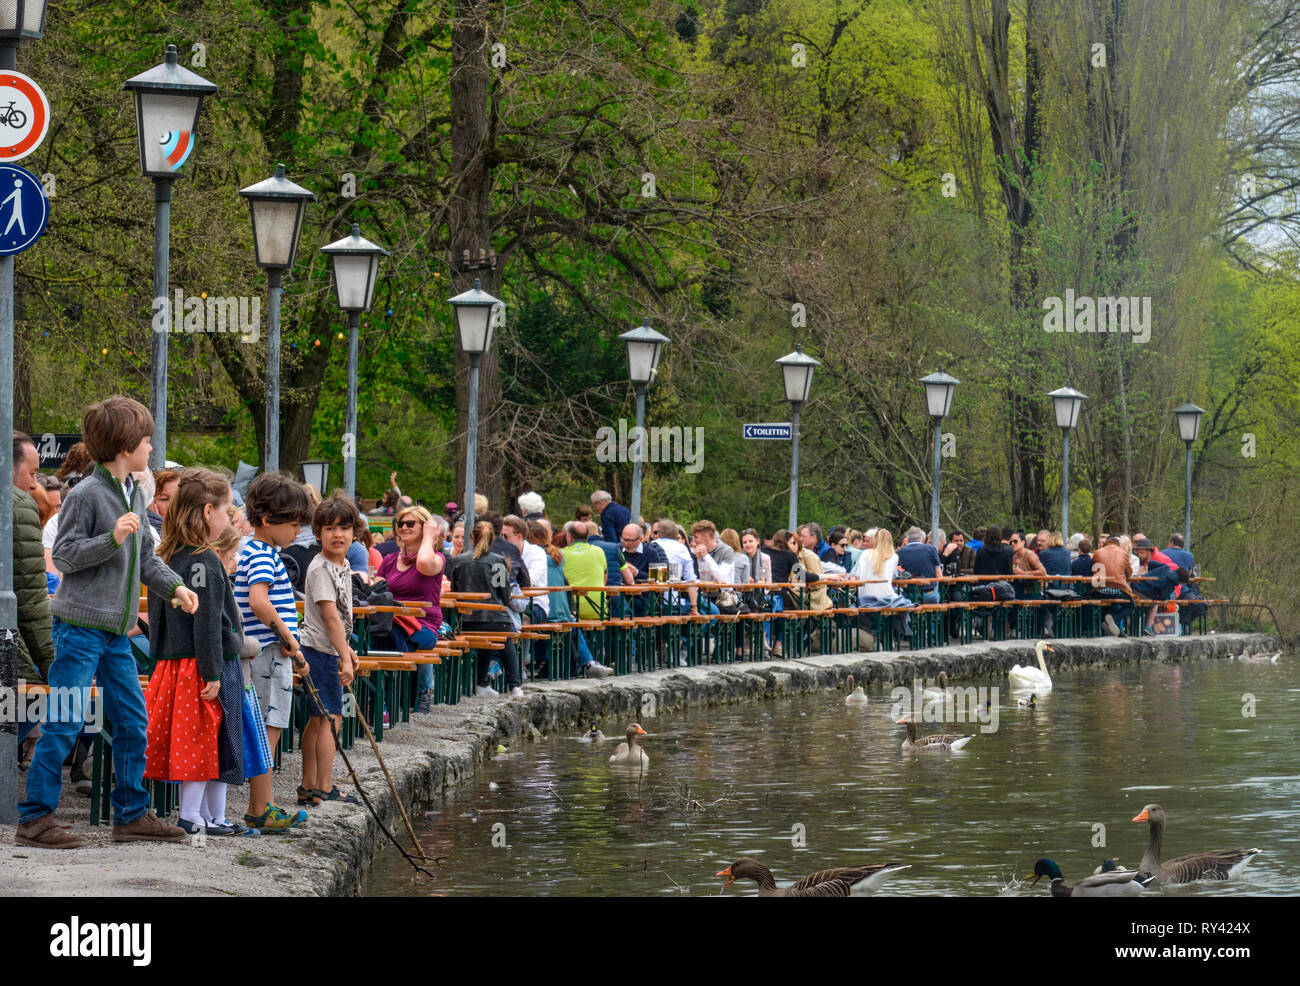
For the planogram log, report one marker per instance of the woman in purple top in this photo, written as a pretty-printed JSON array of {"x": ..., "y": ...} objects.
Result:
[{"x": 414, "y": 573}]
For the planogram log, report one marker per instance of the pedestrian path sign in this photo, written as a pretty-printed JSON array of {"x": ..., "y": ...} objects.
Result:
[
  {"x": 24, "y": 209},
  {"x": 24, "y": 115}
]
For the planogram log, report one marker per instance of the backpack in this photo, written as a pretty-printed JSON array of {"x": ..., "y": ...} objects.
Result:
[
  {"x": 296, "y": 558},
  {"x": 999, "y": 591}
]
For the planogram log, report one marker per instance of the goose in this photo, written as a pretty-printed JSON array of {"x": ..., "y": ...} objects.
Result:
[
  {"x": 845, "y": 881},
  {"x": 1030, "y": 677},
  {"x": 1028, "y": 703},
  {"x": 1119, "y": 883},
  {"x": 935, "y": 742},
  {"x": 629, "y": 754},
  {"x": 1110, "y": 866},
  {"x": 856, "y": 695},
  {"x": 594, "y": 735},
  {"x": 1217, "y": 864},
  {"x": 940, "y": 694}
]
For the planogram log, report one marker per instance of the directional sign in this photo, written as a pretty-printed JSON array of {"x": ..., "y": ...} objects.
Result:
[
  {"x": 24, "y": 115},
  {"x": 24, "y": 209},
  {"x": 779, "y": 431}
]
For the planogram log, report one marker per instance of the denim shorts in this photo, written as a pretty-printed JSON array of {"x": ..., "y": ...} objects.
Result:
[{"x": 324, "y": 670}]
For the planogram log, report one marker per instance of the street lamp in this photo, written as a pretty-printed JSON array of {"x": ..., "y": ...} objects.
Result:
[
  {"x": 316, "y": 472},
  {"x": 938, "y": 401},
  {"x": 277, "y": 206},
  {"x": 23, "y": 19},
  {"x": 356, "y": 265},
  {"x": 796, "y": 373},
  {"x": 645, "y": 347},
  {"x": 1189, "y": 426},
  {"x": 477, "y": 314},
  {"x": 168, "y": 98},
  {"x": 1068, "y": 403}
]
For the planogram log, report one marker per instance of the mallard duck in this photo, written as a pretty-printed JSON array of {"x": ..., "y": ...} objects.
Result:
[
  {"x": 630, "y": 754},
  {"x": 856, "y": 696},
  {"x": 1110, "y": 866},
  {"x": 1031, "y": 678},
  {"x": 846, "y": 881},
  {"x": 1120, "y": 883},
  {"x": 1217, "y": 864},
  {"x": 593, "y": 735},
  {"x": 940, "y": 694},
  {"x": 1028, "y": 703},
  {"x": 935, "y": 742}
]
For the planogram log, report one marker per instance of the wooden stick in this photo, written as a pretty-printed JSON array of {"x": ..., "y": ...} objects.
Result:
[{"x": 384, "y": 767}]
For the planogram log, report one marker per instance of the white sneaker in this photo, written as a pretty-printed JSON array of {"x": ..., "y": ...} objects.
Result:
[
  {"x": 1112, "y": 627},
  {"x": 516, "y": 692},
  {"x": 596, "y": 670},
  {"x": 483, "y": 691}
]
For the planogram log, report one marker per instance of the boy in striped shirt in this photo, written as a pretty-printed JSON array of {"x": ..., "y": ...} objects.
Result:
[{"x": 275, "y": 505}]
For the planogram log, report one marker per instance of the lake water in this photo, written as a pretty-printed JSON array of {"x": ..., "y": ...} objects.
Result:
[{"x": 806, "y": 783}]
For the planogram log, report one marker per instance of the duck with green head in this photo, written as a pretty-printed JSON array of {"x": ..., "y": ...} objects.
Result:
[{"x": 1125, "y": 883}]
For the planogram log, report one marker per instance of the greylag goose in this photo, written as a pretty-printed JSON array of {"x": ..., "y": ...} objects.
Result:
[
  {"x": 856, "y": 695},
  {"x": 1033, "y": 678},
  {"x": 1119, "y": 883},
  {"x": 1217, "y": 864},
  {"x": 845, "y": 881},
  {"x": 935, "y": 742},
  {"x": 630, "y": 754}
]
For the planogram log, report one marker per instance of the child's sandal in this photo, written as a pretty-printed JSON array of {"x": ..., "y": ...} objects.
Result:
[{"x": 309, "y": 798}]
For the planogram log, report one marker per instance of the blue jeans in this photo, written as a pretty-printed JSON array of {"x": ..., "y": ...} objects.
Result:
[
  {"x": 82, "y": 655},
  {"x": 1120, "y": 610},
  {"x": 930, "y": 597},
  {"x": 422, "y": 639}
]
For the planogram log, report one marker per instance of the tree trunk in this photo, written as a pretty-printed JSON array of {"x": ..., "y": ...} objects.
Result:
[{"x": 470, "y": 220}]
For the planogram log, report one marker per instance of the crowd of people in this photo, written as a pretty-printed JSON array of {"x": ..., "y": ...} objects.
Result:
[{"x": 225, "y": 573}]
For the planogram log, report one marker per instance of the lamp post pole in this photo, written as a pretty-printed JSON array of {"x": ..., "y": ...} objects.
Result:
[
  {"x": 1187, "y": 503},
  {"x": 1065, "y": 483},
  {"x": 639, "y": 457},
  {"x": 271, "y": 450},
  {"x": 471, "y": 449},
  {"x": 162, "y": 232},
  {"x": 350, "y": 460},
  {"x": 793, "y": 518},
  {"x": 1188, "y": 419},
  {"x": 934, "y": 493}
]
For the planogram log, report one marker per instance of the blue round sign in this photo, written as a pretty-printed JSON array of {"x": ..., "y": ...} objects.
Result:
[{"x": 24, "y": 209}]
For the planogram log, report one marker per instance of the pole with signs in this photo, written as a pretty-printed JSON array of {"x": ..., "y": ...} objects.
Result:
[{"x": 24, "y": 211}]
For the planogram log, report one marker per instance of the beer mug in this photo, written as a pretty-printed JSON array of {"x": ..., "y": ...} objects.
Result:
[{"x": 674, "y": 571}]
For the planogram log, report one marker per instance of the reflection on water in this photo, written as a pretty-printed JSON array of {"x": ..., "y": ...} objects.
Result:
[{"x": 807, "y": 782}]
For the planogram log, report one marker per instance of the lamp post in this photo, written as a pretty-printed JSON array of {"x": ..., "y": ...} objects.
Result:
[
  {"x": 645, "y": 347},
  {"x": 796, "y": 373},
  {"x": 938, "y": 401},
  {"x": 168, "y": 98},
  {"x": 316, "y": 472},
  {"x": 1068, "y": 403},
  {"x": 1189, "y": 426},
  {"x": 23, "y": 19},
  {"x": 277, "y": 206},
  {"x": 477, "y": 314},
  {"x": 356, "y": 265}
]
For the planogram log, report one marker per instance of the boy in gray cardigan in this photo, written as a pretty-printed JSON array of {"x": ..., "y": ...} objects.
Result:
[{"x": 103, "y": 555}]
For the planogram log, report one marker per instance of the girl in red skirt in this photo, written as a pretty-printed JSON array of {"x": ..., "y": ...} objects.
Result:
[{"x": 195, "y": 696}]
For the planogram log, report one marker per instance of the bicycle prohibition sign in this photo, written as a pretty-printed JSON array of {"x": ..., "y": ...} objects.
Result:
[{"x": 24, "y": 116}]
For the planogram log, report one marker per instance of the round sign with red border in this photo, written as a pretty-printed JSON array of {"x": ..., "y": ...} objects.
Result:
[{"x": 24, "y": 115}]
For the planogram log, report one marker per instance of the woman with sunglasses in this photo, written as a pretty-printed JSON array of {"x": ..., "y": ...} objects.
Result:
[{"x": 414, "y": 574}]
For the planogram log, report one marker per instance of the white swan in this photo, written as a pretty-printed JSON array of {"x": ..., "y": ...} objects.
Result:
[
  {"x": 857, "y": 696},
  {"x": 1031, "y": 678},
  {"x": 630, "y": 754}
]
